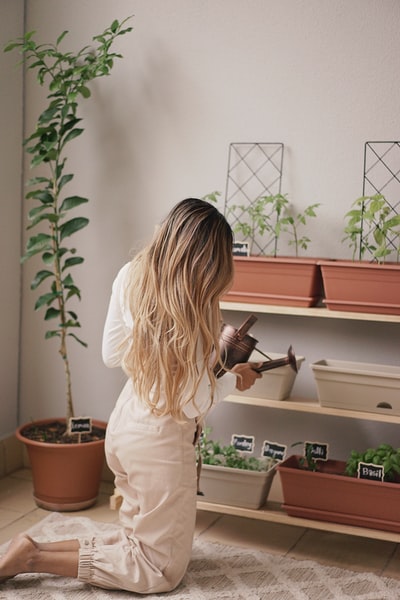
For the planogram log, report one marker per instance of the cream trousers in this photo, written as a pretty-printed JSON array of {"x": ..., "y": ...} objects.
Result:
[{"x": 153, "y": 459}]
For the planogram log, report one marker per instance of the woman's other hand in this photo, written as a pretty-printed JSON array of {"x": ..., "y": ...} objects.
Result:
[{"x": 246, "y": 375}]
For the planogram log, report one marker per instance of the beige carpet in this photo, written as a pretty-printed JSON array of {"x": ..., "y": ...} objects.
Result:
[{"x": 216, "y": 572}]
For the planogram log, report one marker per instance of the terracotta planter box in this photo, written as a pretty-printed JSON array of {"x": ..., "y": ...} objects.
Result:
[
  {"x": 280, "y": 281},
  {"x": 358, "y": 386},
  {"x": 276, "y": 384},
  {"x": 332, "y": 496},
  {"x": 361, "y": 286},
  {"x": 237, "y": 487}
]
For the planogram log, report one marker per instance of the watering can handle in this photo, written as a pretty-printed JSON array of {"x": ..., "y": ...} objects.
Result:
[{"x": 243, "y": 329}]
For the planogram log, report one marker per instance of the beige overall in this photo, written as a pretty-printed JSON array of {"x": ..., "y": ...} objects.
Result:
[{"x": 153, "y": 459}]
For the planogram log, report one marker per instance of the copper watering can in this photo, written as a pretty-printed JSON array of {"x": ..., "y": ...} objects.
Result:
[{"x": 236, "y": 346}]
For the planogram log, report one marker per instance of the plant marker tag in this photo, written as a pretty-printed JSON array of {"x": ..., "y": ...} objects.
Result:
[
  {"x": 244, "y": 443},
  {"x": 80, "y": 425},
  {"x": 274, "y": 450},
  {"x": 370, "y": 471},
  {"x": 319, "y": 451},
  {"x": 241, "y": 249}
]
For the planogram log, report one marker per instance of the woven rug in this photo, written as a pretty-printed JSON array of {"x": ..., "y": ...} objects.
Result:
[{"x": 216, "y": 572}]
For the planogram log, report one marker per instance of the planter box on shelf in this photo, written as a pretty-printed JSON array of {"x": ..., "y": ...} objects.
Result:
[
  {"x": 358, "y": 386},
  {"x": 237, "y": 487},
  {"x": 331, "y": 496},
  {"x": 360, "y": 286},
  {"x": 275, "y": 384},
  {"x": 281, "y": 281}
]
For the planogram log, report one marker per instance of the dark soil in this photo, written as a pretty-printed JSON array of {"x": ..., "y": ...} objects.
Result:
[{"x": 55, "y": 433}]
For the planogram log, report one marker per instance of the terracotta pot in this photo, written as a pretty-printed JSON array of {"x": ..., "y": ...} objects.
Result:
[
  {"x": 360, "y": 286},
  {"x": 66, "y": 477},
  {"x": 281, "y": 281},
  {"x": 332, "y": 496}
]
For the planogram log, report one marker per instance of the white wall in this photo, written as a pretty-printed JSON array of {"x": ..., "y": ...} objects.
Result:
[
  {"x": 11, "y": 26},
  {"x": 318, "y": 75}
]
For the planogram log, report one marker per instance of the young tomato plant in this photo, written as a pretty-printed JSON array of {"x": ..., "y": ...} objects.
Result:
[
  {"x": 273, "y": 217},
  {"x": 373, "y": 228}
]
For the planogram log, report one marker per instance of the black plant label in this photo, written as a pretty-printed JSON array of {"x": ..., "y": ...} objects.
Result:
[
  {"x": 274, "y": 450},
  {"x": 370, "y": 471}
]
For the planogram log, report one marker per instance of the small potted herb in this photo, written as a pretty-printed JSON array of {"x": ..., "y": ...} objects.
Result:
[
  {"x": 361, "y": 491},
  {"x": 229, "y": 476}
]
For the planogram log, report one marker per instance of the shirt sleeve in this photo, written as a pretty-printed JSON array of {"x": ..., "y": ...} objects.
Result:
[
  {"x": 118, "y": 324},
  {"x": 226, "y": 385}
]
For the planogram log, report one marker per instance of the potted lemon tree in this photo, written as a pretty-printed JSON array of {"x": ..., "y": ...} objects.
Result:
[{"x": 66, "y": 455}]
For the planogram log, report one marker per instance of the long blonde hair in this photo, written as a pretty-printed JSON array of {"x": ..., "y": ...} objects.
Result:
[{"x": 174, "y": 289}]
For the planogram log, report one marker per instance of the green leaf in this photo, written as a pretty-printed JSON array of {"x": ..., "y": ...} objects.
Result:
[
  {"x": 64, "y": 180},
  {"x": 51, "y": 334},
  {"x": 36, "y": 180},
  {"x": 72, "y": 121},
  {"x": 72, "y": 202},
  {"x": 61, "y": 37},
  {"x": 11, "y": 45},
  {"x": 72, "y": 226},
  {"x": 78, "y": 340},
  {"x": 51, "y": 313},
  {"x": 49, "y": 217},
  {"x": 68, "y": 281},
  {"x": 45, "y": 299},
  {"x": 42, "y": 195},
  {"x": 36, "y": 210},
  {"x": 48, "y": 258},
  {"x": 39, "y": 277},
  {"x": 73, "y": 291},
  {"x": 38, "y": 243},
  {"x": 72, "y": 261},
  {"x": 72, "y": 134},
  {"x": 85, "y": 91},
  {"x": 48, "y": 114}
]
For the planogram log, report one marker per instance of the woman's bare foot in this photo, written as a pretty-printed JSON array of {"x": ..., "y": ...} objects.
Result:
[{"x": 19, "y": 557}]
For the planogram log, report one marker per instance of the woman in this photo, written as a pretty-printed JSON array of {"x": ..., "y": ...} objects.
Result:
[{"x": 162, "y": 327}]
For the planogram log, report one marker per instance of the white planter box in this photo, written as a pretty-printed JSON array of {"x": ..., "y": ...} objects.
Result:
[
  {"x": 358, "y": 386},
  {"x": 237, "y": 487},
  {"x": 276, "y": 384}
]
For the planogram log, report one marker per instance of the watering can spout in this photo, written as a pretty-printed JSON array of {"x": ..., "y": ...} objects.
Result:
[{"x": 290, "y": 359}]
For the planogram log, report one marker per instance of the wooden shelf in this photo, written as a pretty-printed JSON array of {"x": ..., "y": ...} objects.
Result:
[
  {"x": 318, "y": 312},
  {"x": 273, "y": 513},
  {"x": 312, "y": 406}
]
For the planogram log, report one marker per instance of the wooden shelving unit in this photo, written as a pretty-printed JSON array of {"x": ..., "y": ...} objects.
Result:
[
  {"x": 312, "y": 406},
  {"x": 272, "y": 511},
  {"x": 313, "y": 312}
]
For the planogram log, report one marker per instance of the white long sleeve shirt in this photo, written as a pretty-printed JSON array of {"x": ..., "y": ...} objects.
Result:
[{"x": 118, "y": 326}]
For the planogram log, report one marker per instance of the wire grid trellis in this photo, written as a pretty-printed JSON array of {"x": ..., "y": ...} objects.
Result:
[
  {"x": 382, "y": 176},
  {"x": 254, "y": 170}
]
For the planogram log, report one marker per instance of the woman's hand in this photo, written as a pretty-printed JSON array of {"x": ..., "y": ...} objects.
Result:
[{"x": 246, "y": 375}]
